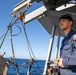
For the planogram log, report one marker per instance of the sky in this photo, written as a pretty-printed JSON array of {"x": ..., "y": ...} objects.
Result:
[{"x": 38, "y": 37}]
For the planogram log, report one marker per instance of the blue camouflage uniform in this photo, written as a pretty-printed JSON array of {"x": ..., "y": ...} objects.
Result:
[{"x": 68, "y": 54}]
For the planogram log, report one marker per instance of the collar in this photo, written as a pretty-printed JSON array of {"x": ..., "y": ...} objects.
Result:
[{"x": 69, "y": 34}]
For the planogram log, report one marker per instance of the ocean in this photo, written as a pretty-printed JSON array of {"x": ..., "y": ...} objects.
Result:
[{"x": 37, "y": 67}]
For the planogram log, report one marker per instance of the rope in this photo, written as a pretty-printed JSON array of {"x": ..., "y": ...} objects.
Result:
[
  {"x": 10, "y": 28},
  {"x": 13, "y": 52},
  {"x": 18, "y": 32},
  {"x": 29, "y": 47},
  {"x": 4, "y": 35},
  {"x": 27, "y": 42}
]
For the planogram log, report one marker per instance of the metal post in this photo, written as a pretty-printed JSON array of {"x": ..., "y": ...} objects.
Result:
[
  {"x": 30, "y": 66},
  {"x": 7, "y": 64},
  {"x": 6, "y": 68},
  {"x": 49, "y": 50},
  {"x": 57, "y": 48}
]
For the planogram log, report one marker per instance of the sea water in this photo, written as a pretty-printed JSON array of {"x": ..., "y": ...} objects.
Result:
[{"x": 37, "y": 67}]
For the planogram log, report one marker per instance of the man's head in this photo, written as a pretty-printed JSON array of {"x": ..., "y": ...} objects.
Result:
[{"x": 66, "y": 21}]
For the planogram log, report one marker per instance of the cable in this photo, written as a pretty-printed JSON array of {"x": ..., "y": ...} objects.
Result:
[
  {"x": 18, "y": 32},
  {"x": 4, "y": 35},
  {"x": 29, "y": 47},
  {"x": 13, "y": 52},
  {"x": 10, "y": 28},
  {"x": 27, "y": 41}
]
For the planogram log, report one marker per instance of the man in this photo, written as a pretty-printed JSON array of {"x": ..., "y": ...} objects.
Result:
[{"x": 67, "y": 60}]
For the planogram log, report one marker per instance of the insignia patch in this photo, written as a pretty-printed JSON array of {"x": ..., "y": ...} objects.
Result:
[{"x": 74, "y": 37}]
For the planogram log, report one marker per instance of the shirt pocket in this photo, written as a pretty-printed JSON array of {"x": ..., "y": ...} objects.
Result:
[{"x": 67, "y": 47}]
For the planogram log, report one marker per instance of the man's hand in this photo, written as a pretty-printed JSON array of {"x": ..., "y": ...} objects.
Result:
[
  {"x": 51, "y": 70},
  {"x": 60, "y": 62}
]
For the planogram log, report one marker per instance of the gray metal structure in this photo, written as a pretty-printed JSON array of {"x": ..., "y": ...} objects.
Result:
[{"x": 48, "y": 19}]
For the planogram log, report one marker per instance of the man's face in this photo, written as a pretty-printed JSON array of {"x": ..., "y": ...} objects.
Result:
[{"x": 64, "y": 24}]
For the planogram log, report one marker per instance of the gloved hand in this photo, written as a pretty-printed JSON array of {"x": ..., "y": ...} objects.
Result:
[{"x": 51, "y": 70}]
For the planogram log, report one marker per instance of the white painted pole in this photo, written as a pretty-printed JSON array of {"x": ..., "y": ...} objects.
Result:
[
  {"x": 57, "y": 48},
  {"x": 49, "y": 50}
]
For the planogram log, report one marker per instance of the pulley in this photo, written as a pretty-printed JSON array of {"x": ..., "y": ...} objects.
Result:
[{"x": 21, "y": 15}]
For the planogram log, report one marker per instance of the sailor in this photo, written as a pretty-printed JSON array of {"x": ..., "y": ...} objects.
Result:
[{"x": 67, "y": 60}]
